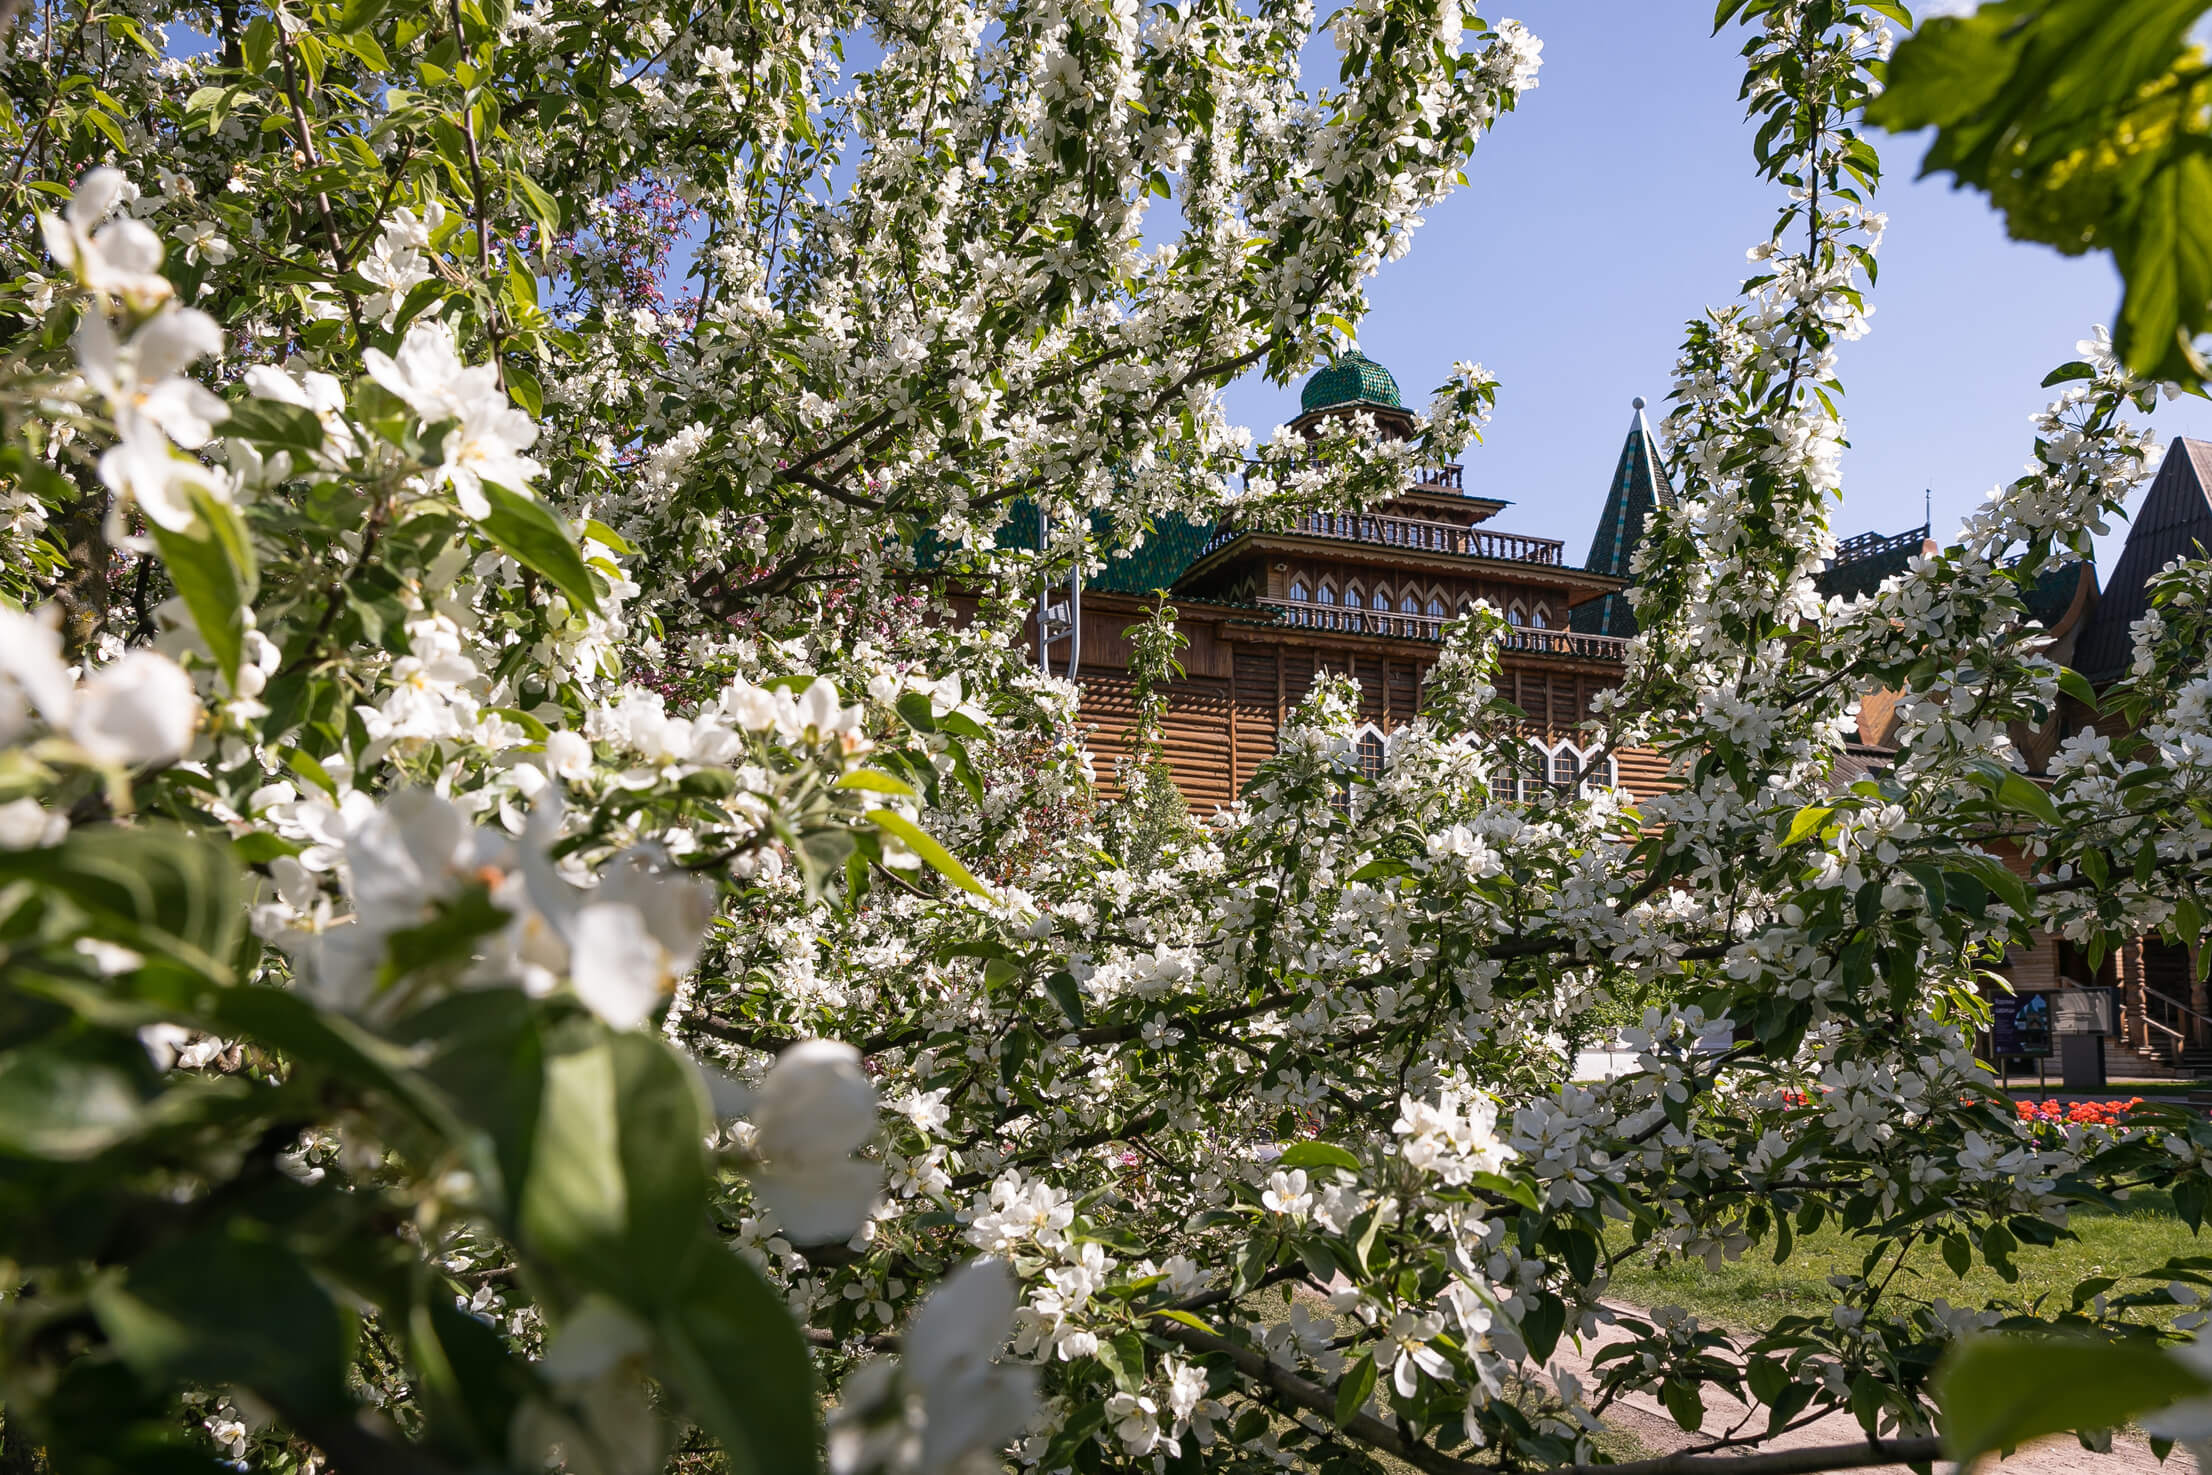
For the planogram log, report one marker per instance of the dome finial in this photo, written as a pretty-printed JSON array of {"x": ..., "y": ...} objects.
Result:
[
  {"x": 1351, "y": 378},
  {"x": 1638, "y": 402}
]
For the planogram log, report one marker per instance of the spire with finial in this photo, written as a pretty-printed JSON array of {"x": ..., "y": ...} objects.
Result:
[{"x": 1639, "y": 487}]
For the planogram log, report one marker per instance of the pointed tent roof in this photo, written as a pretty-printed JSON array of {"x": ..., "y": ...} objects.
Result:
[
  {"x": 2175, "y": 522},
  {"x": 1640, "y": 485}
]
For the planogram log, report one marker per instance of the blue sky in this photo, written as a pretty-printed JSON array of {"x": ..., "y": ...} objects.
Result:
[{"x": 1617, "y": 203}]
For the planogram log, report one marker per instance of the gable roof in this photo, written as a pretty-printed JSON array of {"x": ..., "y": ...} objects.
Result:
[
  {"x": 1639, "y": 487},
  {"x": 2175, "y": 521}
]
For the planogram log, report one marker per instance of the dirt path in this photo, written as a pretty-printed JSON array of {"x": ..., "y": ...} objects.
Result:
[{"x": 1643, "y": 1418}]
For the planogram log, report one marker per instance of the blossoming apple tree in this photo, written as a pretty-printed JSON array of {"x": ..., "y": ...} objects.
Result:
[{"x": 547, "y": 915}]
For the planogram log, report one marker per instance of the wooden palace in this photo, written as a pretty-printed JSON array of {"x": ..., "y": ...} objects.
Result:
[{"x": 1366, "y": 595}]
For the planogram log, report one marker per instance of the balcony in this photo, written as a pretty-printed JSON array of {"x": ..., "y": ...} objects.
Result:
[
  {"x": 1517, "y": 640},
  {"x": 1354, "y": 620},
  {"x": 1530, "y": 640},
  {"x": 1414, "y": 534}
]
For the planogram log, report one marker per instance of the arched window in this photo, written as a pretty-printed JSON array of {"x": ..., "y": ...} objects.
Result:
[
  {"x": 1540, "y": 617},
  {"x": 1371, "y": 755},
  {"x": 1299, "y": 591},
  {"x": 1328, "y": 594},
  {"x": 1380, "y": 599},
  {"x": 1353, "y": 598},
  {"x": 1436, "y": 608},
  {"x": 1515, "y": 615},
  {"x": 1408, "y": 605},
  {"x": 1566, "y": 762}
]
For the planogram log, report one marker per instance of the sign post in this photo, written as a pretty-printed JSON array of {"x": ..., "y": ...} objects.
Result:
[{"x": 2082, "y": 1018}]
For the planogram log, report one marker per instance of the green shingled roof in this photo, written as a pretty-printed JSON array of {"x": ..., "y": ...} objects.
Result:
[
  {"x": 1640, "y": 487},
  {"x": 1169, "y": 548},
  {"x": 1354, "y": 379}
]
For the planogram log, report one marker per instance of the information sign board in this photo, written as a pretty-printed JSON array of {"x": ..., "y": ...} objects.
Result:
[{"x": 2020, "y": 1024}]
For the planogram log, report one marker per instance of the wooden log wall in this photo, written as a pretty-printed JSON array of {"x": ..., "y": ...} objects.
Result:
[{"x": 1223, "y": 718}]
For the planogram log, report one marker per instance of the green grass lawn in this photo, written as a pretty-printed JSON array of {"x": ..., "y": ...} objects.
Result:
[{"x": 1754, "y": 1290}]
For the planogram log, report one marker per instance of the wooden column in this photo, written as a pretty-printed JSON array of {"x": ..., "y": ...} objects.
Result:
[
  {"x": 1233, "y": 769},
  {"x": 2127, "y": 968},
  {"x": 2199, "y": 1005}
]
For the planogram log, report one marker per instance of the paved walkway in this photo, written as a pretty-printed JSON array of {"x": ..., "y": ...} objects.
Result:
[{"x": 1642, "y": 1417}]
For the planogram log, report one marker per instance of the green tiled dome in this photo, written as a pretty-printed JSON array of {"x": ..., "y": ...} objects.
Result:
[{"x": 1354, "y": 379}]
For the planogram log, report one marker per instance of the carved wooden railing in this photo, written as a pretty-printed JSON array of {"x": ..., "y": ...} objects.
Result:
[
  {"x": 1352, "y": 619},
  {"x": 1357, "y": 621},
  {"x": 1536, "y": 641},
  {"x": 2174, "y": 1022},
  {"x": 1416, "y": 534}
]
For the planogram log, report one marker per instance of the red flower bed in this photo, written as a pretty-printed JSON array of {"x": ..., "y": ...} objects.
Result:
[{"x": 2085, "y": 1113}]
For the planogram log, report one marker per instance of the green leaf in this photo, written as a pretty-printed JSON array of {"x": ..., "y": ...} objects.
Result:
[
  {"x": 282, "y": 1020},
  {"x": 259, "y": 847},
  {"x": 1684, "y": 1402},
  {"x": 529, "y": 533},
  {"x": 359, "y": 15},
  {"x": 1062, "y": 987},
  {"x": 2070, "y": 371},
  {"x": 2023, "y": 795},
  {"x": 220, "y": 1307},
  {"x": 272, "y": 426},
  {"x": 922, "y": 845},
  {"x": 915, "y": 707},
  {"x": 532, "y": 728},
  {"x": 487, "y": 1063},
  {"x": 259, "y": 44},
  {"x": 875, "y": 782},
  {"x": 309, "y": 769},
  {"x": 1128, "y": 1361},
  {"x": 1807, "y": 820},
  {"x": 1512, "y": 1189},
  {"x": 447, "y": 939},
  {"x": 1352, "y": 1391},
  {"x": 2076, "y": 685},
  {"x": 1945, "y": 71},
  {"x": 1997, "y": 1247},
  {"x": 601, "y": 533},
  {"x": 470, "y": 1385},
  {"x": 63, "y": 1105},
  {"x": 523, "y": 388},
  {"x": 1316, "y": 1155},
  {"x": 541, "y": 206},
  {"x": 153, "y": 887},
  {"x": 1075, "y": 1434},
  {"x": 730, "y": 1348},
  {"x": 2000, "y": 1392},
  {"x": 1542, "y": 1324},
  {"x": 2190, "y": 1196},
  {"x": 1958, "y": 1253},
  {"x": 2166, "y": 261},
  {"x": 1380, "y": 869},
  {"x": 617, "y": 1186}
]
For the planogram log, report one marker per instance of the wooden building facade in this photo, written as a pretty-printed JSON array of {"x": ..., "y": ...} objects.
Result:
[{"x": 1367, "y": 595}]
